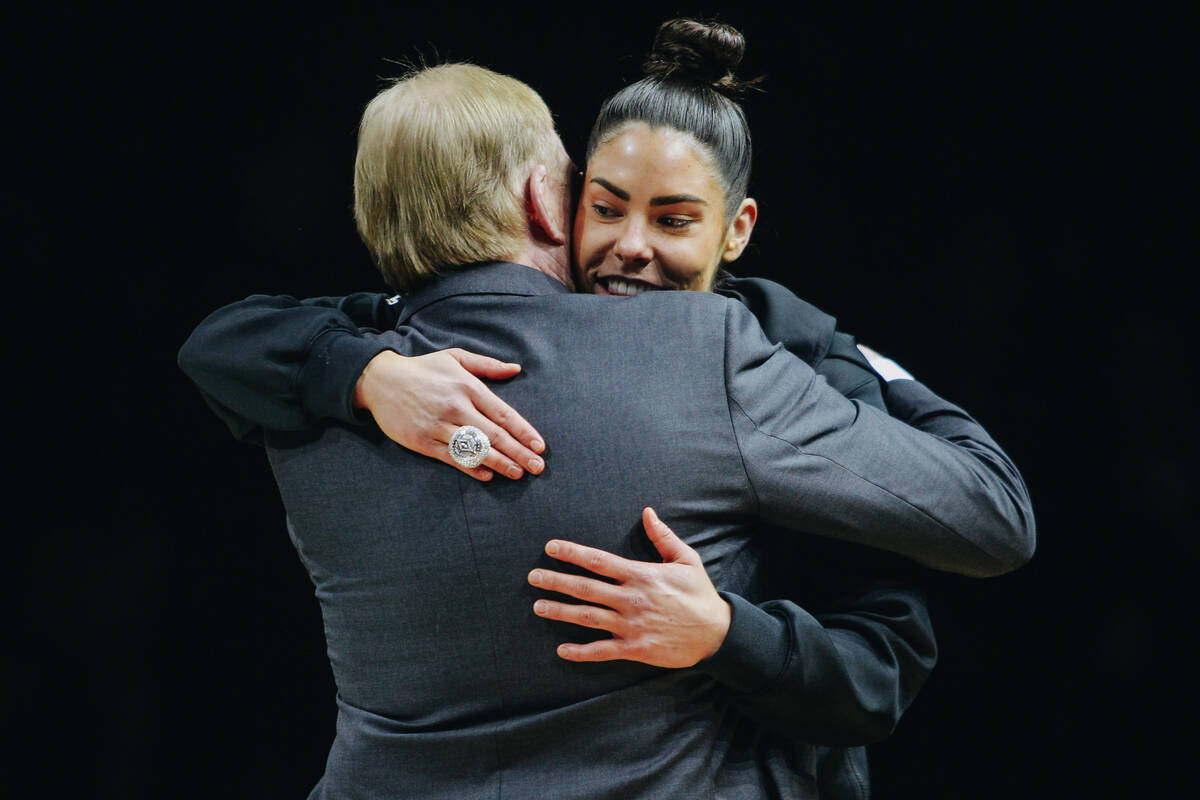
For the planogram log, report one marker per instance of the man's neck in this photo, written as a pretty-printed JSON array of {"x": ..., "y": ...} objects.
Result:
[{"x": 553, "y": 261}]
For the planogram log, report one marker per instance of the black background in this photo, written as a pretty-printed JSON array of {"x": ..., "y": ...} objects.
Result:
[{"x": 990, "y": 195}]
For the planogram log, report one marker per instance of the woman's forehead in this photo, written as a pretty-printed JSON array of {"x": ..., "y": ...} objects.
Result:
[{"x": 636, "y": 152}]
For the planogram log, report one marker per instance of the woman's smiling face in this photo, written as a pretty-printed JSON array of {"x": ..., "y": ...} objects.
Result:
[{"x": 652, "y": 216}]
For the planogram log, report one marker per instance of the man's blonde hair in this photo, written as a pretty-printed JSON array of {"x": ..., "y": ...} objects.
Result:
[{"x": 439, "y": 180}]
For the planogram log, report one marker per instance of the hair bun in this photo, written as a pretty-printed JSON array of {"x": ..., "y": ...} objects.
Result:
[{"x": 705, "y": 53}]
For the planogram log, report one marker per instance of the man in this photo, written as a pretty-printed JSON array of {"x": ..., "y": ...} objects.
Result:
[{"x": 447, "y": 685}]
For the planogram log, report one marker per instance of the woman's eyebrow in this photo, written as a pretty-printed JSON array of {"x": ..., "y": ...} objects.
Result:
[
  {"x": 621, "y": 193},
  {"x": 672, "y": 199},
  {"x": 667, "y": 200}
]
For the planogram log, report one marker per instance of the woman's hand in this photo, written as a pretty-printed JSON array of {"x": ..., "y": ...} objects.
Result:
[
  {"x": 665, "y": 615},
  {"x": 420, "y": 401}
]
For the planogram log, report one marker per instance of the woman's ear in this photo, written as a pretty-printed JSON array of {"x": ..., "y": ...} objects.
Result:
[
  {"x": 545, "y": 206},
  {"x": 739, "y": 230}
]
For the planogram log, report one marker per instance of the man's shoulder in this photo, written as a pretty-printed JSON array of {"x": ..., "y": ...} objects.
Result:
[
  {"x": 665, "y": 305},
  {"x": 672, "y": 316},
  {"x": 675, "y": 316}
]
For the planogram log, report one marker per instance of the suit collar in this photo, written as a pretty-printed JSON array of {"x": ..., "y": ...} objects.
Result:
[{"x": 495, "y": 277}]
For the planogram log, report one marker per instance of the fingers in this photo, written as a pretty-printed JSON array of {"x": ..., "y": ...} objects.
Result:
[
  {"x": 669, "y": 546},
  {"x": 603, "y": 650},
  {"x": 515, "y": 444},
  {"x": 495, "y": 409},
  {"x": 441, "y": 452},
  {"x": 498, "y": 458},
  {"x": 420, "y": 402},
  {"x": 503, "y": 415},
  {"x": 600, "y": 562},
  {"x": 580, "y": 587},
  {"x": 480, "y": 473},
  {"x": 588, "y": 616},
  {"x": 484, "y": 366},
  {"x": 491, "y": 414}
]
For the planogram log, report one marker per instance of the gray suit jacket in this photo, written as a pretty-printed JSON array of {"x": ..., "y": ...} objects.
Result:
[{"x": 448, "y": 685}]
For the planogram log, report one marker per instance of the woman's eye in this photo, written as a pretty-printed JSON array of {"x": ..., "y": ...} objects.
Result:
[
  {"x": 604, "y": 211},
  {"x": 675, "y": 222}
]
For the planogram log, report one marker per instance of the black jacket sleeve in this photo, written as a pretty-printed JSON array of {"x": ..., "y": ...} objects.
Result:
[
  {"x": 841, "y": 676},
  {"x": 282, "y": 363}
]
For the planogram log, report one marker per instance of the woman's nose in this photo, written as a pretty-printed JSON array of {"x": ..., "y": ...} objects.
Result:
[{"x": 633, "y": 247}]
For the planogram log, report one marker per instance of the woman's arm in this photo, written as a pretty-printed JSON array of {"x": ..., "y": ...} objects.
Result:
[
  {"x": 842, "y": 677},
  {"x": 283, "y": 364}
]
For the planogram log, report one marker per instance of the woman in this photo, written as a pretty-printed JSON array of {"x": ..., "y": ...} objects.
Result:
[
  {"x": 663, "y": 206},
  {"x": 664, "y": 203}
]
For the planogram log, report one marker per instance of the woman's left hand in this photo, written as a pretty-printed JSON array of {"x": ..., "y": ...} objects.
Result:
[
  {"x": 665, "y": 615},
  {"x": 420, "y": 401}
]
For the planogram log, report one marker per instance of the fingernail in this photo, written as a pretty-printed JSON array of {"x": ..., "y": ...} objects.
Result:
[
  {"x": 551, "y": 547},
  {"x": 514, "y": 472},
  {"x": 537, "y": 445},
  {"x": 535, "y": 465},
  {"x": 541, "y": 607},
  {"x": 535, "y": 576}
]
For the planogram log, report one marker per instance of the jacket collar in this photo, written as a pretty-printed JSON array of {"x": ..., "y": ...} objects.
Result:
[{"x": 495, "y": 277}]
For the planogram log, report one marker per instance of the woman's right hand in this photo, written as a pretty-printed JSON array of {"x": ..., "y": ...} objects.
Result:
[
  {"x": 665, "y": 614},
  {"x": 420, "y": 401}
]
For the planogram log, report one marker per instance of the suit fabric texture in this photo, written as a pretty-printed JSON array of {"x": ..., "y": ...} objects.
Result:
[
  {"x": 449, "y": 686},
  {"x": 877, "y": 645}
]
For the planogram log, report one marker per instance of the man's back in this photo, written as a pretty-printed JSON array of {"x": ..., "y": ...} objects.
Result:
[
  {"x": 441, "y": 664},
  {"x": 448, "y": 684}
]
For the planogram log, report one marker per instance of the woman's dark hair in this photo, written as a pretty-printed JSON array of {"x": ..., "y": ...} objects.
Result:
[{"x": 690, "y": 86}]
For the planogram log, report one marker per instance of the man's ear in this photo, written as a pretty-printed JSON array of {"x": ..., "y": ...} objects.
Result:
[
  {"x": 740, "y": 229},
  {"x": 545, "y": 206}
]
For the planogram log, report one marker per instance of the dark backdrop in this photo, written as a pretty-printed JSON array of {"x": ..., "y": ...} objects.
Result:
[{"x": 984, "y": 194}]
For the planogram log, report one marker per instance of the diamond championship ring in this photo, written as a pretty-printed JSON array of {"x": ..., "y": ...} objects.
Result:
[{"x": 469, "y": 446}]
